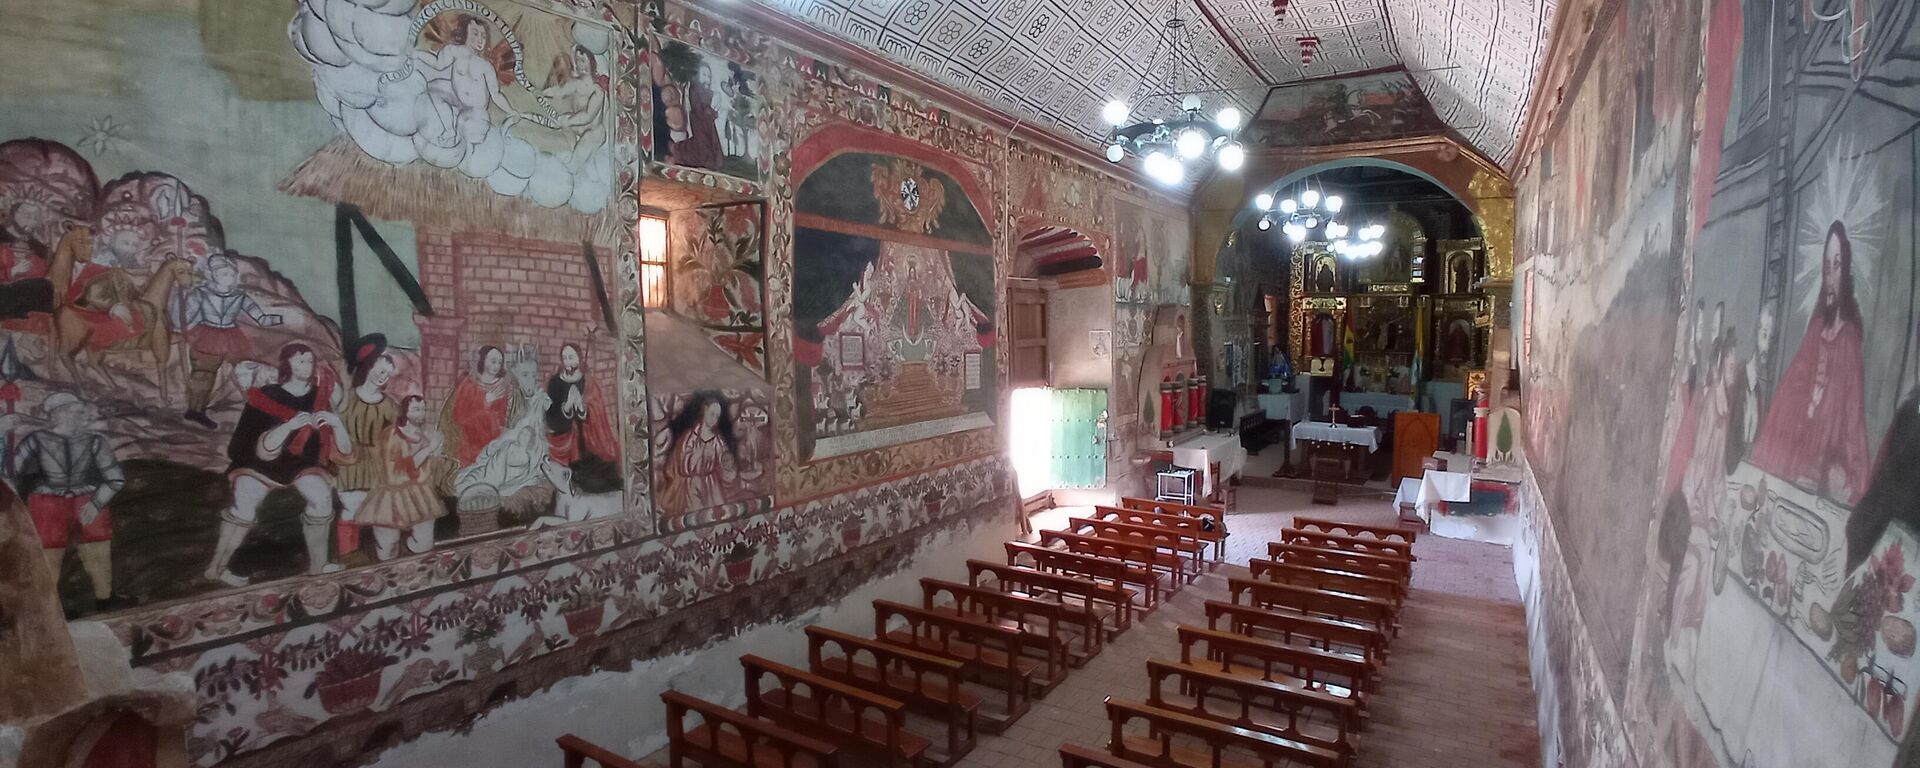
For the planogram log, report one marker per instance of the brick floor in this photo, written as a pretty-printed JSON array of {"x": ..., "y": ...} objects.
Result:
[{"x": 1455, "y": 693}]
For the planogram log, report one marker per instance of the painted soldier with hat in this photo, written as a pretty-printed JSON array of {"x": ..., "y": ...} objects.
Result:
[{"x": 68, "y": 474}]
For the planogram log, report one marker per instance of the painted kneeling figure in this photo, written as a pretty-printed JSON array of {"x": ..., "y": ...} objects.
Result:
[{"x": 402, "y": 501}]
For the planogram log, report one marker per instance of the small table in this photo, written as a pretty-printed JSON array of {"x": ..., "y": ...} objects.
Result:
[{"x": 1218, "y": 457}]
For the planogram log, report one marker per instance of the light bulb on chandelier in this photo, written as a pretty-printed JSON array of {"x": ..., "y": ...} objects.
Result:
[
  {"x": 1232, "y": 156},
  {"x": 1191, "y": 143},
  {"x": 1115, "y": 112},
  {"x": 1287, "y": 206},
  {"x": 1266, "y": 223},
  {"x": 1263, "y": 201},
  {"x": 1309, "y": 198}
]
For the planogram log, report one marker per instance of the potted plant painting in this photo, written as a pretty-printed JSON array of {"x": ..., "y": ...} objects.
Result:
[
  {"x": 739, "y": 561},
  {"x": 349, "y": 681},
  {"x": 583, "y": 610}
]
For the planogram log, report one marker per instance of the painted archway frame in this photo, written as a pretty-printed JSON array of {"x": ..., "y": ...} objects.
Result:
[
  {"x": 1479, "y": 184},
  {"x": 907, "y": 219}
]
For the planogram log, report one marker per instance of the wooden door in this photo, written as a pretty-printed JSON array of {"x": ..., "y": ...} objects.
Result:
[{"x": 1027, "y": 334}]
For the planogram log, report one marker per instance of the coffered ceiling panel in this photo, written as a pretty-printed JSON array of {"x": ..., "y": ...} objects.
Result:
[
  {"x": 1052, "y": 61},
  {"x": 1476, "y": 60},
  {"x": 1056, "y": 62}
]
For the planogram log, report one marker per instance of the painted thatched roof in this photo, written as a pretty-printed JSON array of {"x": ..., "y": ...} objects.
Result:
[{"x": 432, "y": 197}]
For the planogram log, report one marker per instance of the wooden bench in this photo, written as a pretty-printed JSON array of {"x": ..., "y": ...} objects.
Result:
[
  {"x": 1076, "y": 756},
  {"x": 927, "y": 684},
  {"x": 1042, "y": 632},
  {"x": 1085, "y": 605},
  {"x": 1371, "y": 611},
  {"x": 1202, "y": 529},
  {"x": 1220, "y": 742},
  {"x": 1317, "y": 631},
  {"x": 1127, "y": 551},
  {"x": 1191, "y": 551},
  {"x": 870, "y": 729},
  {"x": 577, "y": 752},
  {"x": 1277, "y": 708},
  {"x": 1342, "y": 674},
  {"x": 1341, "y": 560},
  {"x": 1398, "y": 550},
  {"x": 1196, "y": 511},
  {"x": 1390, "y": 590},
  {"x": 1382, "y": 532},
  {"x": 728, "y": 739},
  {"x": 1120, "y": 574},
  {"x": 988, "y": 654}
]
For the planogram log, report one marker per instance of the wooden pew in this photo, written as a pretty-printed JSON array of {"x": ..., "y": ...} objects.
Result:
[
  {"x": 577, "y": 752},
  {"x": 728, "y": 739},
  {"x": 1196, "y": 511},
  {"x": 1203, "y": 529},
  {"x": 1390, "y": 590},
  {"x": 1037, "y": 621},
  {"x": 1118, "y": 573},
  {"x": 1221, "y": 742},
  {"x": 1342, "y": 674},
  {"x": 1371, "y": 611},
  {"x": 1341, "y": 560},
  {"x": 1076, "y": 756},
  {"x": 1124, "y": 551},
  {"x": 870, "y": 729},
  {"x": 1289, "y": 627},
  {"x": 1397, "y": 550},
  {"x": 1085, "y": 605},
  {"x": 927, "y": 684},
  {"x": 1258, "y": 705},
  {"x": 988, "y": 654},
  {"x": 1191, "y": 551},
  {"x": 1383, "y": 532}
]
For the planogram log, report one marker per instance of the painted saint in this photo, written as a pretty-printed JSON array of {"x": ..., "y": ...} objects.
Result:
[
  {"x": 1815, "y": 431},
  {"x": 484, "y": 402},
  {"x": 704, "y": 463},
  {"x": 579, "y": 426},
  {"x": 368, "y": 412},
  {"x": 289, "y": 435}
]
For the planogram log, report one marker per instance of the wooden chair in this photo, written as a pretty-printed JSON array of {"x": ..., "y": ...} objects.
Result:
[
  {"x": 1341, "y": 527},
  {"x": 988, "y": 654},
  {"x": 1122, "y": 575},
  {"x": 1202, "y": 529},
  {"x": 1398, "y": 550},
  {"x": 927, "y": 684},
  {"x": 1289, "y": 627},
  {"x": 1220, "y": 742},
  {"x": 869, "y": 729},
  {"x": 1042, "y": 633},
  {"x": 1339, "y": 673},
  {"x": 728, "y": 739},
  {"x": 1084, "y": 605},
  {"x": 577, "y": 752},
  {"x": 1342, "y": 560},
  {"x": 1125, "y": 551},
  {"x": 1371, "y": 611},
  {"x": 1275, "y": 708},
  {"x": 1333, "y": 580},
  {"x": 1191, "y": 552},
  {"x": 1076, "y": 756}
]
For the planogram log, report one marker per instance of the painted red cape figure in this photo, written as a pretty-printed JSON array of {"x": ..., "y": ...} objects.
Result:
[
  {"x": 572, "y": 438},
  {"x": 480, "y": 420},
  {"x": 1803, "y": 437}
]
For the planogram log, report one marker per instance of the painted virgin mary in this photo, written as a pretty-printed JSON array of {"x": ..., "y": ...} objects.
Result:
[{"x": 1815, "y": 431}]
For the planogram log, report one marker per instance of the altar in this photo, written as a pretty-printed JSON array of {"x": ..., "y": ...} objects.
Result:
[{"x": 1209, "y": 452}]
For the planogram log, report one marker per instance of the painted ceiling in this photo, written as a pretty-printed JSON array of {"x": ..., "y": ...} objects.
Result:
[{"x": 1057, "y": 61}]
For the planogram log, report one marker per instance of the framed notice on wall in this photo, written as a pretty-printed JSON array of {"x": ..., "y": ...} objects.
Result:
[{"x": 973, "y": 370}]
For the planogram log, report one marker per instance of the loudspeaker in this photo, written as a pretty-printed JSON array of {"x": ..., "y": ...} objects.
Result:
[{"x": 1221, "y": 405}]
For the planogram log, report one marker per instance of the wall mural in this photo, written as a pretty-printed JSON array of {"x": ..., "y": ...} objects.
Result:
[
  {"x": 1773, "y": 625},
  {"x": 704, "y": 110},
  {"x": 1382, "y": 105},
  {"x": 183, "y": 399},
  {"x": 708, "y": 399},
  {"x": 894, "y": 332}
]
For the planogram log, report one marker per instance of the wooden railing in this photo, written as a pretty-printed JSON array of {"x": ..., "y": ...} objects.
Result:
[
  {"x": 1203, "y": 529},
  {"x": 1398, "y": 550},
  {"x": 577, "y": 752},
  {"x": 1299, "y": 628},
  {"x": 1371, "y": 611},
  {"x": 927, "y": 684},
  {"x": 1158, "y": 748},
  {"x": 1390, "y": 590},
  {"x": 868, "y": 727},
  {"x": 988, "y": 654},
  {"x": 1383, "y": 532},
  {"x": 1339, "y": 673},
  {"x": 1342, "y": 560},
  {"x": 1121, "y": 574},
  {"x": 1278, "y": 708},
  {"x": 1037, "y": 621}
]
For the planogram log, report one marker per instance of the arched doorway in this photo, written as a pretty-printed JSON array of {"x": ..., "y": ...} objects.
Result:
[{"x": 1059, "y": 311}]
